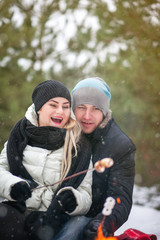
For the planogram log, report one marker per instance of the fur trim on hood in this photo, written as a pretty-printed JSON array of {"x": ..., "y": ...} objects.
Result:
[{"x": 106, "y": 119}]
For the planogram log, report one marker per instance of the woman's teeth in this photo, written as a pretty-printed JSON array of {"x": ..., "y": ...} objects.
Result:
[{"x": 57, "y": 119}]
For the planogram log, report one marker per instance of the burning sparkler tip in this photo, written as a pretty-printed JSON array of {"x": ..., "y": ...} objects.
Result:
[{"x": 118, "y": 200}]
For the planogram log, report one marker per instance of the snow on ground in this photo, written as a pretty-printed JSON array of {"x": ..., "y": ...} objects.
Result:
[
  {"x": 149, "y": 197},
  {"x": 144, "y": 216},
  {"x": 144, "y": 219}
]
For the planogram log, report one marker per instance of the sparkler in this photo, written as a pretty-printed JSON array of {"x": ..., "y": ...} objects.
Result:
[
  {"x": 99, "y": 166},
  {"x": 107, "y": 210}
]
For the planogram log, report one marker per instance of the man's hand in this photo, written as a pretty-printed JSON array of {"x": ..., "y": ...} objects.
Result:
[{"x": 91, "y": 230}]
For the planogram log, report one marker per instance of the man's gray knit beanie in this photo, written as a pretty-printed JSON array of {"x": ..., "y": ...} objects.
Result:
[
  {"x": 93, "y": 91},
  {"x": 47, "y": 90}
]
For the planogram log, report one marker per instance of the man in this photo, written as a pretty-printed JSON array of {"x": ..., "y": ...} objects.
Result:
[{"x": 91, "y": 106}]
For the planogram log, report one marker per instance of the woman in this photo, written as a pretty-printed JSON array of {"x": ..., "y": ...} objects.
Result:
[{"x": 43, "y": 148}]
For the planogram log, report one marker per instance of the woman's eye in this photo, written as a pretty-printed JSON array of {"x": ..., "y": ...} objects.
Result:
[
  {"x": 66, "y": 107},
  {"x": 53, "y": 105}
]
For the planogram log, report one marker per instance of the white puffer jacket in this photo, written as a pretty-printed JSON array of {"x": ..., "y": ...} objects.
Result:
[{"x": 44, "y": 167}]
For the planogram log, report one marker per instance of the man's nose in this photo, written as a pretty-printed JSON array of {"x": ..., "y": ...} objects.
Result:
[{"x": 87, "y": 114}]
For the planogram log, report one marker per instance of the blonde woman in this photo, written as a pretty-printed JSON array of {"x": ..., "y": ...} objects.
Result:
[{"x": 43, "y": 148}]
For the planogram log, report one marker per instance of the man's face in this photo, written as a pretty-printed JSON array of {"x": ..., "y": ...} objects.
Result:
[{"x": 89, "y": 117}]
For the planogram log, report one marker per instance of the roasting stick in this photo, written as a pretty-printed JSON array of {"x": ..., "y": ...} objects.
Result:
[{"x": 99, "y": 166}]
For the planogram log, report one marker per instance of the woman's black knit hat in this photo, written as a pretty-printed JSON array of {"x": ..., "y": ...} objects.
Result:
[{"x": 46, "y": 90}]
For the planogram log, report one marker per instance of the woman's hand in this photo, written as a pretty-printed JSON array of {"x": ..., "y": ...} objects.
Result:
[
  {"x": 67, "y": 200},
  {"x": 20, "y": 191}
]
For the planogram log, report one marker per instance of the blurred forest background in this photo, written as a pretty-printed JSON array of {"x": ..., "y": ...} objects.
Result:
[{"x": 68, "y": 40}]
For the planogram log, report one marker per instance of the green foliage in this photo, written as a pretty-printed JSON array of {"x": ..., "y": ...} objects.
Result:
[
  {"x": 15, "y": 44},
  {"x": 70, "y": 40},
  {"x": 134, "y": 78}
]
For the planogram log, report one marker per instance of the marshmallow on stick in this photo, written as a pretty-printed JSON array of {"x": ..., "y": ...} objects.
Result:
[{"x": 101, "y": 165}]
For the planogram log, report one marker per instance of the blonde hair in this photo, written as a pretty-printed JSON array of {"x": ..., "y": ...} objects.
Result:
[
  {"x": 73, "y": 131},
  {"x": 72, "y": 136}
]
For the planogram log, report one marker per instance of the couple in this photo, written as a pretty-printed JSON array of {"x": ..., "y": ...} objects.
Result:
[{"x": 48, "y": 145}]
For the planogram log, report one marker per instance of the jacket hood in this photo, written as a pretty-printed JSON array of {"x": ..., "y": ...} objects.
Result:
[
  {"x": 106, "y": 119},
  {"x": 31, "y": 115}
]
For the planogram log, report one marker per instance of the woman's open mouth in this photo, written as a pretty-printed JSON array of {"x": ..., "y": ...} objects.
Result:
[{"x": 57, "y": 120}]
